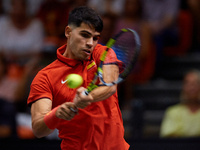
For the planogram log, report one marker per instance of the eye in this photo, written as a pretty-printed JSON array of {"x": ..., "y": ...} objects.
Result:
[
  {"x": 85, "y": 35},
  {"x": 96, "y": 38}
]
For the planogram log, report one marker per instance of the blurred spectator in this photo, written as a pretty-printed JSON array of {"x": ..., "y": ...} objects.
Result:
[
  {"x": 24, "y": 35},
  {"x": 182, "y": 120},
  {"x": 109, "y": 21},
  {"x": 161, "y": 16},
  {"x": 32, "y": 6},
  {"x": 11, "y": 92},
  {"x": 185, "y": 31},
  {"x": 76, "y": 3},
  {"x": 107, "y": 6},
  {"x": 21, "y": 37},
  {"x": 7, "y": 107},
  {"x": 2, "y": 11},
  {"x": 132, "y": 18},
  {"x": 194, "y": 6},
  {"x": 52, "y": 14}
]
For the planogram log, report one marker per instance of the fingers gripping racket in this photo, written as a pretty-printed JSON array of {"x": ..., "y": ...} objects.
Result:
[{"x": 126, "y": 45}]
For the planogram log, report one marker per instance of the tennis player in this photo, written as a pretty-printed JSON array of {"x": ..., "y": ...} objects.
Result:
[{"x": 91, "y": 122}]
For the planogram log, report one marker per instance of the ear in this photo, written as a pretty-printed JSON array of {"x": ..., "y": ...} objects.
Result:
[{"x": 68, "y": 31}]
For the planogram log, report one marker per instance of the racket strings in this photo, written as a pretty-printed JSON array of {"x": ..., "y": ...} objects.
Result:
[{"x": 125, "y": 49}]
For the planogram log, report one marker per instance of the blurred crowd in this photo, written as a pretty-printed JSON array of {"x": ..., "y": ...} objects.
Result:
[
  {"x": 32, "y": 30},
  {"x": 181, "y": 120}
]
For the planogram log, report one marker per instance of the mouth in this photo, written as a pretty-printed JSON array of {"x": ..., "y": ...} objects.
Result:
[{"x": 87, "y": 51}]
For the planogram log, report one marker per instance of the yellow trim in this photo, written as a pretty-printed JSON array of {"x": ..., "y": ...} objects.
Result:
[{"x": 91, "y": 65}]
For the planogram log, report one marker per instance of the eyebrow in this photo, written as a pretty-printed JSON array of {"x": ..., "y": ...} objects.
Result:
[{"x": 82, "y": 31}]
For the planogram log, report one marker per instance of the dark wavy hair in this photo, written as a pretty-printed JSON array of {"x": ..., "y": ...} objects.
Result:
[{"x": 87, "y": 15}]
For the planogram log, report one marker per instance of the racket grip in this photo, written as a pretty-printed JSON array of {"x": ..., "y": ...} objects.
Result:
[
  {"x": 75, "y": 111},
  {"x": 85, "y": 93}
]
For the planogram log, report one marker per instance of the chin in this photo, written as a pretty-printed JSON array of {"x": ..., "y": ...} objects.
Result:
[{"x": 83, "y": 58}]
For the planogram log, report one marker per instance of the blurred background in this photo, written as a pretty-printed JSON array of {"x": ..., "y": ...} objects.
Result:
[{"x": 160, "y": 100}]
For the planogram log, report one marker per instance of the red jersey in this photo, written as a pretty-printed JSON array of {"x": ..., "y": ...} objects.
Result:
[{"x": 97, "y": 127}]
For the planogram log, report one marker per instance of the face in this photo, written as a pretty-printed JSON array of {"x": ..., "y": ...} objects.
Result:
[
  {"x": 132, "y": 7},
  {"x": 191, "y": 87},
  {"x": 81, "y": 41},
  {"x": 18, "y": 7}
]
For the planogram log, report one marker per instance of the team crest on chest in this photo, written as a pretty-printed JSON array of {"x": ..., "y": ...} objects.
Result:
[{"x": 91, "y": 65}]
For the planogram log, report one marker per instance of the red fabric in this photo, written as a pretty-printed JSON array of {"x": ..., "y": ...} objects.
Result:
[
  {"x": 111, "y": 59},
  {"x": 100, "y": 125},
  {"x": 51, "y": 120}
]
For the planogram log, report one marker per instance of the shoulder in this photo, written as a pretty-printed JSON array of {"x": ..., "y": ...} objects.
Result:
[
  {"x": 98, "y": 51},
  {"x": 178, "y": 108},
  {"x": 36, "y": 23},
  {"x": 99, "y": 47},
  {"x": 4, "y": 20},
  {"x": 47, "y": 71}
]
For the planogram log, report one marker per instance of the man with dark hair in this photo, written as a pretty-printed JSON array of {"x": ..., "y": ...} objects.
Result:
[
  {"x": 89, "y": 17},
  {"x": 85, "y": 122}
]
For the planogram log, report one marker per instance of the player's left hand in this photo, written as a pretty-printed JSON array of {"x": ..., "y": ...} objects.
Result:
[{"x": 66, "y": 111}]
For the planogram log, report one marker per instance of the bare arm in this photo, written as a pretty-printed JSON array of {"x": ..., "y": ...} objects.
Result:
[
  {"x": 110, "y": 73},
  {"x": 40, "y": 108}
]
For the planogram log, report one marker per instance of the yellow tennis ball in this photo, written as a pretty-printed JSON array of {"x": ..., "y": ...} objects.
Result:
[{"x": 74, "y": 80}]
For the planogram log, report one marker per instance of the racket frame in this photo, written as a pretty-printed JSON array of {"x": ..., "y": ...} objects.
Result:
[{"x": 125, "y": 73}]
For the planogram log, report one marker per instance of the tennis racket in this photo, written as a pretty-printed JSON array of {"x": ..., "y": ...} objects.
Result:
[{"x": 126, "y": 45}]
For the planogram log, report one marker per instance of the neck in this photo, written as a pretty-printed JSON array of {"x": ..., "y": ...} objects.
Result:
[
  {"x": 193, "y": 106},
  {"x": 68, "y": 53},
  {"x": 20, "y": 22}
]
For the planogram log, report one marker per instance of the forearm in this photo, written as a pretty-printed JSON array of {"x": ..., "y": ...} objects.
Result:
[
  {"x": 111, "y": 73},
  {"x": 45, "y": 119},
  {"x": 38, "y": 111},
  {"x": 40, "y": 129},
  {"x": 103, "y": 92}
]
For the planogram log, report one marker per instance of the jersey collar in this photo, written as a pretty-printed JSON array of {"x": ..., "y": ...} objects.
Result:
[{"x": 70, "y": 62}]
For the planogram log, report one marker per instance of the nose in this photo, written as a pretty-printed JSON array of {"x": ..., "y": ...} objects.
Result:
[{"x": 90, "y": 42}]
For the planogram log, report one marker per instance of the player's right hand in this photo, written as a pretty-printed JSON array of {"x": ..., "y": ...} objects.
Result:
[
  {"x": 80, "y": 100},
  {"x": 67, "y": 111}
]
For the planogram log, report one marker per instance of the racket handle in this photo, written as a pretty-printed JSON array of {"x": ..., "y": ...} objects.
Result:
[
  {"x": 85, "y": 93},
  {"x": 75, "y": 111}
]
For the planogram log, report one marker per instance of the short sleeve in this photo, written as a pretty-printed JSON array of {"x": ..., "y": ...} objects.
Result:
[
  {"x": 40, "y": 88},
  {"x": 111, "y": 57}
]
